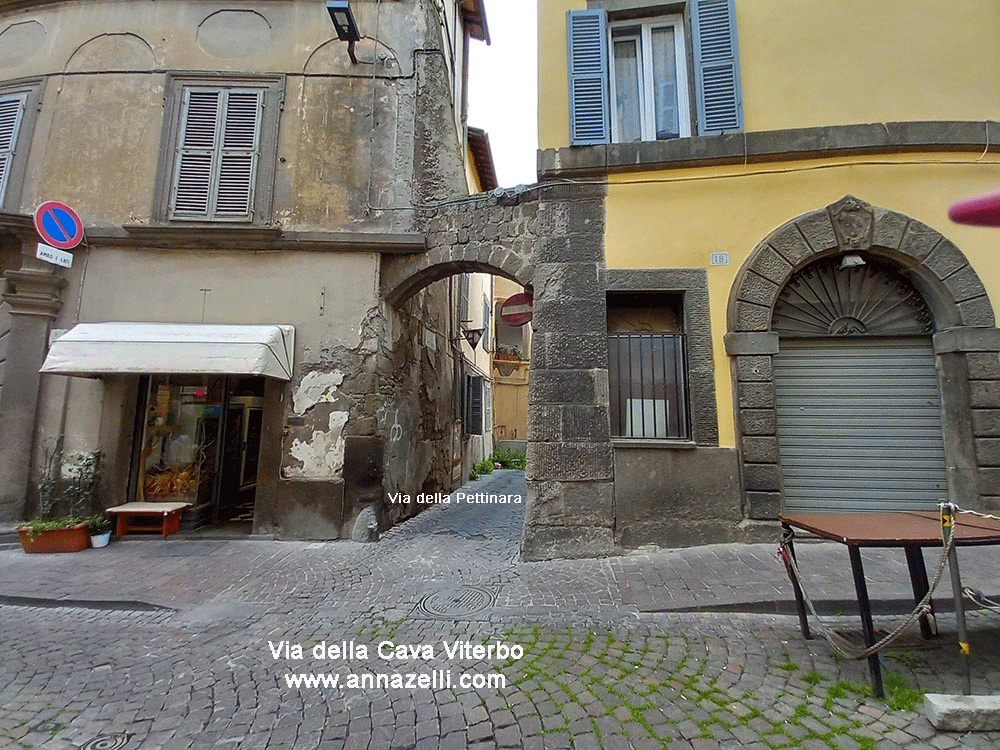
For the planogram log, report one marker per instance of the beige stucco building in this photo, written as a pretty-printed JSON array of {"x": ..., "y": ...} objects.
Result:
[{"x": 242, "y": 177}]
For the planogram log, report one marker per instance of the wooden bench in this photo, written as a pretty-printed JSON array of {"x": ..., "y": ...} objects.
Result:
[{"x": 163, "y": 517}]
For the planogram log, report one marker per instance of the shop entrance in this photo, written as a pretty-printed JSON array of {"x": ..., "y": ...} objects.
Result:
[{"x": 200, "y": 444}]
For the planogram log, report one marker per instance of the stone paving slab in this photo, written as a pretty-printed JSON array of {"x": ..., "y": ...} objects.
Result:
[{"x": 607, "y": 660}]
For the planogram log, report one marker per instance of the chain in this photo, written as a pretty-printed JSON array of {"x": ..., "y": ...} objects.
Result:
[{"x": 922, "y": 608}]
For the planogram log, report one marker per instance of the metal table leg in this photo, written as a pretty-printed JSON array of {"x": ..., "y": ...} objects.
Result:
[
  {"x": 800, "y": 604},
  {"x": 920, "y": 584},
  {"x": 864, "y": 605}
]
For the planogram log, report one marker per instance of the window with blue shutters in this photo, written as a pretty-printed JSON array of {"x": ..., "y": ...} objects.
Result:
[
  {"x": 629, "y": 77},
  {"x": 587, "y": 39},
  {"x": 717, "y": 67}
]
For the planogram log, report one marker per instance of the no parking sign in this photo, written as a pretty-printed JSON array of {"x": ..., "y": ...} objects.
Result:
[{"x": 58, "y": 225}]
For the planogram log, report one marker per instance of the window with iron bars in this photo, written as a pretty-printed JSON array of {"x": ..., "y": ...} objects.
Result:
[{"x": 647, "y": 367}]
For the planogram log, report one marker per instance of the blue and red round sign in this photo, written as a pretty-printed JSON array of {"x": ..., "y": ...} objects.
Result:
[{"x": 58, "y": 225}]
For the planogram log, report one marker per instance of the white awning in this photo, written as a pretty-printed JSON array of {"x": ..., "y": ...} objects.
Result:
[{"x": 103, "y": 348}]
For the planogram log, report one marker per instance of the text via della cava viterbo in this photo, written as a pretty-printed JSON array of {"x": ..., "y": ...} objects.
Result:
[
  {"x": 457, "y": 498},
  {"x": 390, "y": 651}
]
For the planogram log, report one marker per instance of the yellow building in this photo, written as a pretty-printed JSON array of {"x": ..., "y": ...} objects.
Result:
[{"x": 793, "y": 322}]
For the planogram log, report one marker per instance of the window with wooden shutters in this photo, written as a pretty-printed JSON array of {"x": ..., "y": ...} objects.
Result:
[
  {"x": 473, "y": 416},
  {"x": 218, "y": 153},
  {"x": 717, "y": 68},
  {"x": 628, "y": 73},
  {"x": 220, "y": 160},
  {"x": 11, "y": 114},
  {"x": 19, "y": 104}
]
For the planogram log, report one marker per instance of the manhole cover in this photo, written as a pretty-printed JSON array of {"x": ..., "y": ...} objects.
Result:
[
  {"x": 461, "y": 601},
  {"x": 106, "y": 742}
]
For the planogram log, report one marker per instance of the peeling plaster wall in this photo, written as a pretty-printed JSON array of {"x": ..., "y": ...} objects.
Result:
[
  {"x": 370, "y": 404},
  {"x": 418, "y": 391}
]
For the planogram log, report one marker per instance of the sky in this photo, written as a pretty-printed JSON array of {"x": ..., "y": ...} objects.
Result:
[{"x": 503, "y": 85}]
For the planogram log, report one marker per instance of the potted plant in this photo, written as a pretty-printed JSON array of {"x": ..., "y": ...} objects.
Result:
[
  {"x": 509, "y": 353},
  {"x": 54, "y": 535},
  {"x": 99, "y": 528},
  {"x": 73, "y": 493}
]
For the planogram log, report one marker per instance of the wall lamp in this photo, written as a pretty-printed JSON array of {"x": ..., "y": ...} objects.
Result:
[
  {"x": 851, "y": 261},
  {"x": 344, "y": 23},
  {"x": 471, "y": 335}
]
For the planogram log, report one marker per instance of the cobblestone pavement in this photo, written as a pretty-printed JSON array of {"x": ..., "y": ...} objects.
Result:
[{"x": 188, "y": 643}]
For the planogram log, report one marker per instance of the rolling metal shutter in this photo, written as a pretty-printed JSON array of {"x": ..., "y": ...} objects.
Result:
[{"x": 859, "y": 425}]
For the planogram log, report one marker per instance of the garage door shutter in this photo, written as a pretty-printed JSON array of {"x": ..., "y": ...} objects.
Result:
[{"x": 859, "y": 425}]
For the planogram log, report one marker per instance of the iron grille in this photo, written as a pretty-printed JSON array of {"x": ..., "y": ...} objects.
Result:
[{"x": 648, "y": 385}]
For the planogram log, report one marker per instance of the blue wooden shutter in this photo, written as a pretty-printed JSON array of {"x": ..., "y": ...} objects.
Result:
[
  {"x": 717, "y": 67},
  {"x": 587, "y": 47}
]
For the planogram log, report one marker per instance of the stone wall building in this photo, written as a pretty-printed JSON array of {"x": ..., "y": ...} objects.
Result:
[{"x": 242, "y": 175}]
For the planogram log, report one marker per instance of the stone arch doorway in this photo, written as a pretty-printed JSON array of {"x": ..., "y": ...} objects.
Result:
[
  {"x": 963, "y": 341},
  {"x": 551, "y": 241}
]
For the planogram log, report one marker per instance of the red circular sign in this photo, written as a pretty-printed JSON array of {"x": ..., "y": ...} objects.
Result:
[
  {"x": 58, "y": 225},
  {"x": 979, "y": 210},
  {"x": 517, "y": 311}
]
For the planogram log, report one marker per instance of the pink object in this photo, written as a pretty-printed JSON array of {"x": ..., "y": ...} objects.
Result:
[{"x": 979, "y": 210}]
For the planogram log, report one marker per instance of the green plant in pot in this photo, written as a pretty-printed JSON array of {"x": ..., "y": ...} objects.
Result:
[
  {"x": 99, "y": 528},
  {"x": 66, "y": 498}
]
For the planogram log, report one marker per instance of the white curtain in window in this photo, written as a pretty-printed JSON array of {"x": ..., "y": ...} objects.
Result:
[
  {"x": 627, "y": 91},
  {"x": 665, "y": 83}
]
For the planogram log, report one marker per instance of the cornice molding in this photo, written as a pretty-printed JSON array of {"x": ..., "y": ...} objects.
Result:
[
  {"x": 216, "y": 237},
  {"x": 771, "y": 145}
]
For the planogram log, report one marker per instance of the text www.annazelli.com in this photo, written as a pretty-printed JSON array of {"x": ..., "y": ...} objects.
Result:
[{"x": 438, "y": 678}]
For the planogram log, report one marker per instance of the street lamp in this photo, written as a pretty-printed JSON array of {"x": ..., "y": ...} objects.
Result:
[{"x": 344, "y": 23}]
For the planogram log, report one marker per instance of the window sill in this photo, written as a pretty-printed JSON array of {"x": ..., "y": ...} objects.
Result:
[{"x": 662, "y": 444}]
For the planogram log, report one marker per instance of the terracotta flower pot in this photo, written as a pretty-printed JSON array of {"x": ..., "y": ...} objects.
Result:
[{"x": 73, "y": 539}]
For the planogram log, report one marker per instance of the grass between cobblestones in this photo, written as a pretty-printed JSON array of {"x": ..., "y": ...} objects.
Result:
[{"x": 656, "y": 689}]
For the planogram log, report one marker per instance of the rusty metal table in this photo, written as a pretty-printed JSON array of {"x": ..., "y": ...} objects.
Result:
[{"x": 911, "y": 530}]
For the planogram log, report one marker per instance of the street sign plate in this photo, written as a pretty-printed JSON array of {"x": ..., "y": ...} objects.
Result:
[
  {"x": 58, "y": 225},
  {"x": 53, "y": 255},
  {"x": 517, "y": 310}
]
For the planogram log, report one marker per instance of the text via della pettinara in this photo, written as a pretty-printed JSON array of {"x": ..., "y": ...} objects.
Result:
[{"x": 387, "y": 657}]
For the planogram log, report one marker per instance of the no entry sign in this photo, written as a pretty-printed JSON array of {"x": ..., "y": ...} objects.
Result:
[
  {"x": 58, "y": 225},
  {"x": 517, "y": 310}
]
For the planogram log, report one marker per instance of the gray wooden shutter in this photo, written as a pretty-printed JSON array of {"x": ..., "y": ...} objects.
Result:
[
  {"x": 238, "y": 158},
  {"x": 11, "y": 114},
  {"x": 717, "y": 67},
  {"x": 196, "y": 153},
  {"x": 475, "y": 416},
  {"x": 587, "y": 47},
  {"x": 218, "y": 152}
]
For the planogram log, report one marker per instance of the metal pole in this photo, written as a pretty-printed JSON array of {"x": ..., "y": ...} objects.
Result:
[{"x": 948, "y": 523}]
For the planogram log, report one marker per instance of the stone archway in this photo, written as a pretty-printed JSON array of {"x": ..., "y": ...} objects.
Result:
[
  {"x": 551, "y": 240},
  {"x": 965, "y": 343}
]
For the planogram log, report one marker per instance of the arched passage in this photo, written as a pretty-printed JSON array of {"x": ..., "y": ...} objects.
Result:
[
  {"x": 551, "y": 241},
  {"x": 964, "y": 341}
]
